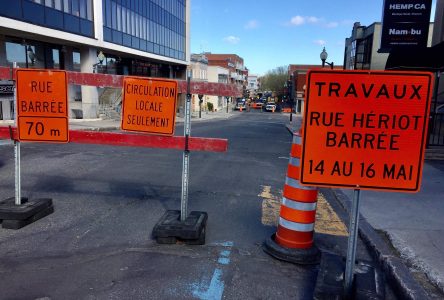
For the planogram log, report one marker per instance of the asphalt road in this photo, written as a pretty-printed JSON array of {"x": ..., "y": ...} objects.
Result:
[{"x": 97, "y": 244}]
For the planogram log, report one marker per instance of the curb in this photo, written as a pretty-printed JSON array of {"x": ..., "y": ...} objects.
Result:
[{"x": 395, "y": 270}]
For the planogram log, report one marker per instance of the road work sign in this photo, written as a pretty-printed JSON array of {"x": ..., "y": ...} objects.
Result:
[
  {"x": 365, "y": 130},
  {"x": 149, "y": 105},
  {"x": 42, "y": 106}
]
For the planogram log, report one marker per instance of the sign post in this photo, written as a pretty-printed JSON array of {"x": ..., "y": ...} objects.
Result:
[
  {"x": 365, "y": 130},
  {"x": 178, "y": 224},
  {"x": 186, "y": 154}
]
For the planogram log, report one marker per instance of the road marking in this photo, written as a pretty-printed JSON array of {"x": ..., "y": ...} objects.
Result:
[
  {"x": 327, "y": 221},
  {"x": 215, "y": 289},
  {"x": 270, "y": 206}
]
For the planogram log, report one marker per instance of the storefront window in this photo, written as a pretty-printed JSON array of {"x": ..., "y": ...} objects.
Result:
[
  {"x": 16, "y": 53},
  {"x": 56, "y": 58},
  {"x": 76, "y": 61}
]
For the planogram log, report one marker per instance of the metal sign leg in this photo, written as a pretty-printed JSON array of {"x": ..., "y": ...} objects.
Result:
[
  {"x": 18, "y": 196},
  {"x": 352, "y": 242},
  {"x": 186, "y": 155}
]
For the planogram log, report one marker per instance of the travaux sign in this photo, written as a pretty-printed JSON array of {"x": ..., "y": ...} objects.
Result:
[{"x": 365, "y": 130}]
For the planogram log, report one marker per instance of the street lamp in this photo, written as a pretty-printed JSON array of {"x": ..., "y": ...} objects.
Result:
[
  {"x": 101, "y": 57},
  {"x": 200, "y": 105},
  {"x": 323, "y": 57}
]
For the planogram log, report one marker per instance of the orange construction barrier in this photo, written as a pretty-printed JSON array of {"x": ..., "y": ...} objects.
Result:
[
  {"x": 293, "y": 240},
  {"x": 298, "y": 208}
]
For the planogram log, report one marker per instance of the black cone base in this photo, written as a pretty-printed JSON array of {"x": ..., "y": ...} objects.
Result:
[
  {"x": 309, "y": 256},
  {"x": 170, "y": 229},
  {"x": 17, "y": 216}
]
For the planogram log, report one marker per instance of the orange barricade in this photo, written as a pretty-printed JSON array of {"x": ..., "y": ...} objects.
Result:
[
  {"x": 298, "y": 208},
  {"x": 293, "y": 240}
]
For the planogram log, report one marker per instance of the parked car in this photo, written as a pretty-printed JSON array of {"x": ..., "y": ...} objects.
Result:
[
  {"x": 271, "y": 106},
  {"x": 240, "y": 103}
]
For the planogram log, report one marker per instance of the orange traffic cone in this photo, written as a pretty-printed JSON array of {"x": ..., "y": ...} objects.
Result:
[
  {"x": 293, "y": 240},
  {"x": 240, "y": 108}
]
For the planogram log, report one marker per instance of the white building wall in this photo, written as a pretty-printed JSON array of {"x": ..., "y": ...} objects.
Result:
[{"x": 213, "y": 76}]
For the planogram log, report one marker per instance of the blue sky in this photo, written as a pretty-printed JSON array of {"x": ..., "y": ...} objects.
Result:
[{"x": 272, "y": 33}]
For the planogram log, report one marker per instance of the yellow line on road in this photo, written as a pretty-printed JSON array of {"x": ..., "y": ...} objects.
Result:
[
  {"x": 270, "y": 206},
  {"x": 327, "y": 221}
]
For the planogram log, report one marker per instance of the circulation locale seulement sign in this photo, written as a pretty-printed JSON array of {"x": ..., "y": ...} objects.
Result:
[
  {"x": 365, "y": 130},
  {"x": 149, "y": 105}
]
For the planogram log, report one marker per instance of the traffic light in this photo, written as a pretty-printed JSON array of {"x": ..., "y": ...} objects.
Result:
[{"x": 200, "y": 98}]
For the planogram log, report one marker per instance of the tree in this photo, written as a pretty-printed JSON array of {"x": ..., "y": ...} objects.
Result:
[{"x": 275, "y": 80}]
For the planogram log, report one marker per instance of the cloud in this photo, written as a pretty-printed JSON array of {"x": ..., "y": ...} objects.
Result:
[
  {"x": 231, "y": 39},
  {"x": 297, "y": 20},
  {"x": 300, "y": 20},
  {"x": 252, "y": 24},
  {"x": 332, "y": 24},
  {"x": 304, "y": 20},
  {"x": 320, "y": 42}
]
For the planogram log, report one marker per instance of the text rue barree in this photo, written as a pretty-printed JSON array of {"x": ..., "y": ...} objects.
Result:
[{"x": 359, "y": 140}]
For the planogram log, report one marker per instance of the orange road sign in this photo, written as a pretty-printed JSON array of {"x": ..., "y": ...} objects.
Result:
[
  {"x": 149, "y": 105},
  {"x": 42, "y": 106},
  {"x": 365, "y": 130}
]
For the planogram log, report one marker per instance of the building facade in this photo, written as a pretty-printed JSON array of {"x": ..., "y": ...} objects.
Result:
[
  {"x": 361, "y": 48},
  {"x": 199, "y": 72},
  {"x": 234, "y": 64},
  {"x": 124, "y": 37},
  {"x": 252, "y": 85},
  {"x": 297, "y": 75},
  {"x": 220, "y": 75}
]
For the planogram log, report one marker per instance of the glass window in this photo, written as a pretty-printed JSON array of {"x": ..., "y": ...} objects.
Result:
[
  {"x": 113, "y": 15},
  {"x": 136, "y": 20},
  {"x": 119, "y": 14},
  {"x": 58, "y": 4},
  {"x": 128, "y": 21},
  {"x": 38, "y": 1},
  {"x": 16, "y": 53},
  {"x": 56, "y": 58},
  {"x": 48, "y": 3},
  {"x": 67, "y": 6},
  {"x": 124, "y": 19},
  {"x": 75, "y": 8},
  {"x": 108, "y": 13},
  {"x": 76, "y": 61},
  {"x": 83, "y": 9},
  {"x": 89, "y": 10}
]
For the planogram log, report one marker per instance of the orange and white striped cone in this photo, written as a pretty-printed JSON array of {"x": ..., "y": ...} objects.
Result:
[{"x": 293, "y": 240}]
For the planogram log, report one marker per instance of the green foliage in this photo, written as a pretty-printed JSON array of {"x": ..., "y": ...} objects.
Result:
[
  {"x": 275, "y": 80},
  {"x": 210, "y": 106}
]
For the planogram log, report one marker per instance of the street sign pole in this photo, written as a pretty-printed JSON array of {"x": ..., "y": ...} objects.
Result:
[
  {"x": 186, "y": 154},
  {"x": 18, "y": 196},
  {"x": 352, "y": 242}
]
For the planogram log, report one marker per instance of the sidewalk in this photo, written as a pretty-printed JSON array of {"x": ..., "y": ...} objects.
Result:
[
  {"x": 105, "y": 124},
  {"x": 413, "y": 223}
]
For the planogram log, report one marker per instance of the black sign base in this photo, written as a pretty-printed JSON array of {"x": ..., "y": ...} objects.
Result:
[
  {"x": 17, "y": 216},
  {"x": 368, "y": 281},
  {"x": 170, "y": 230}
]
